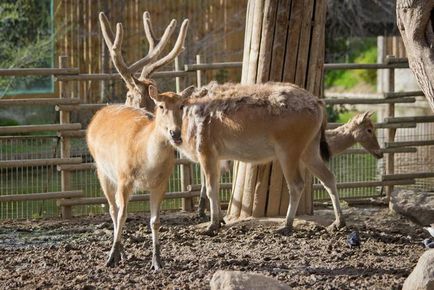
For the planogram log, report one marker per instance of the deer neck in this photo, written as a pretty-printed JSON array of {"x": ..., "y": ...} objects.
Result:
[
  {"x": 153, "y": 144},
  {"x": 340, "y": 138}
]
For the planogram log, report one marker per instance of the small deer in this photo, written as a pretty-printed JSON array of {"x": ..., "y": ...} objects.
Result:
[
  {"x": 133, "y": 149},
  {"x": 359, "y": 129},
  {"x": 259, "y": 123}
]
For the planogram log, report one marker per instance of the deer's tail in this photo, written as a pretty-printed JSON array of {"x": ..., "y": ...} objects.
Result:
[{"x": 323, "y": 145}]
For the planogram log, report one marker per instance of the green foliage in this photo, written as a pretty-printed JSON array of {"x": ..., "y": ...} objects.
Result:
[
  {"x": 356, "y": 50},
  {"x": 26, "y": 40},
  {"x": 334, "y": 112},
  {"x": 8, "y": 122}
]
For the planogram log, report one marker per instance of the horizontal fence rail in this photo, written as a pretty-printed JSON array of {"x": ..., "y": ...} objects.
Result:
[{"x": 73, "y": 133}]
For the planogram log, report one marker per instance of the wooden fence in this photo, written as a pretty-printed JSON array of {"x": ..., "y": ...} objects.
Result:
[{"x": 66, "y": 132}]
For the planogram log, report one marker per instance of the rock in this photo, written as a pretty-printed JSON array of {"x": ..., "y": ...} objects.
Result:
[
  {"x": 236, "y": 280},
  {"x": 415, "y": 205},
  {"x": 422, "y": 277}
]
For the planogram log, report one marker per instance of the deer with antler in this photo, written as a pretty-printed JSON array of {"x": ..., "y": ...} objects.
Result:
[{"x": 133, "y": 149}]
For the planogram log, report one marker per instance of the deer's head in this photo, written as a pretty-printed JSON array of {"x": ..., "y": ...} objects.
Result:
[
  {"x": 363, "y": 131},
  {"x": 138, "y": 87},
  {"x": 169, "y": 111}
]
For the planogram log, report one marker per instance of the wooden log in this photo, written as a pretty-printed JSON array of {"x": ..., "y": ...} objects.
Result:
[
  {"x": 134, "y": 198},
  {"x": 41, "y": 196},
  {"x": 237, "y": 190},
  {"x": 401, "y": 176},
  {"x": 82, "y": 107},
  {"x": 260, "y": 200},
  {"x": 379, "y": 125},
  {"x": 38, "y": 128},
  {"x": 76, "y": 167},
  {"x": 275, "y": 190},
  {"x": 116, "y": 76},
  {"x": 394, "y": 95},
  {"x": 399, "y": 60},
  {"x": 353, "y": 66},
  {"x": 212, "y": 66},
  {"x": 38, "y": 101},
  {"x": 368, "y": 101},
  {"x": 39, "y": 162},
  {"x": 268, "y": 27},
  {"x": 38, "y": 71},
  {"x": 359, "y": 184},
  {"x": 415, "y": 119},
  {"x": 390, "y": 137},
  {"x": 383, "y": 150},
  {"x": 408, "y": 143},
  {"x": 72, "y": 134},
  {"x": 197, "y": 187},
  {"x": 65, "y": 142},
  {"x": 249, "y": 188}
]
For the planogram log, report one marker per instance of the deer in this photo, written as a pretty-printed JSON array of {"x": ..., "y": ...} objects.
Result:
[
  {"x": 259, "y": 123},
  {"x": 133, "y": 148},
  {"x": 358, "y": 129}
]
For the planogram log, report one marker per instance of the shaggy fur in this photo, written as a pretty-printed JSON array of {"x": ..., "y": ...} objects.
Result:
[{"x": 215, "y": 101}]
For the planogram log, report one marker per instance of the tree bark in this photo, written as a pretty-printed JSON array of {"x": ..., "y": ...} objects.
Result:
[{"x": 415, "y": 20}]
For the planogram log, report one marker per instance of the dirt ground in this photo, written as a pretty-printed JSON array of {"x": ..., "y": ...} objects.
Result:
[{"x": 47, "y": 254}]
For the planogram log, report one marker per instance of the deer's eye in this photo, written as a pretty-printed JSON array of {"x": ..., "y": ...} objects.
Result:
[
  {"x": 182, "y": 107},
  {"x": 370, "y": 131},
  {"x": 161, "y": 107}
]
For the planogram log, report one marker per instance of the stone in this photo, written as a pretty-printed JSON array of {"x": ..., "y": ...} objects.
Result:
[
  {"x": 422, "y": 277},
  {"x": 418, "y": 206},
  {"x": 236, "y": 280}
]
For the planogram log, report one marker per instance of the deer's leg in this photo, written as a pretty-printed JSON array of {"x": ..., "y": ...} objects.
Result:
[
  {"x": 203, "y": 198},
  {"x": 317, "y": 167},
  {"x": 122, "y": 195},
  {"x": 212, "y": 176},
  {"x": 155, "y": 201},
  {"x": 291, "y": 171},
  {"x": 109, "y": 191}
]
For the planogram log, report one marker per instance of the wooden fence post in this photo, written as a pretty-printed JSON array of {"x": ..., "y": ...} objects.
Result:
[
  {"x": 391, "y": 132},
  {"x": 185, "y": 169},
  {"x": 65, "y": 145}
]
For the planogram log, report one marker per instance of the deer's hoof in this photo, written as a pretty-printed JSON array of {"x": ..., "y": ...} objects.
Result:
[
  {"x": 336, "y": 226},
  {"x": 113, "y": 260},
  {"x": 212, "y": 230},
  {"x": 285, "y": 230},
  {"x": 156, "y": 263}
]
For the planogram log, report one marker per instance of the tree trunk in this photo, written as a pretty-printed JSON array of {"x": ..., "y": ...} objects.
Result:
[
  {"x": 284, "y": 41},
  {"x": 415, "y": 20}
]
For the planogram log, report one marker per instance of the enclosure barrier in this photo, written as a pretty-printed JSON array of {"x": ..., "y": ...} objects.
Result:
[{"x": 67, "y": 131}]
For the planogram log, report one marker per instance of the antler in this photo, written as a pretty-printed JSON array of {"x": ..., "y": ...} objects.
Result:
[
  {"x": 153, "y": 64},
  {"x": 114, "y": 44},
  {"x": 149, "y": 63}
]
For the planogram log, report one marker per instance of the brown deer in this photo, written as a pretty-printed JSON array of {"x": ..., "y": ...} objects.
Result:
[
  {"x": 359, "y": 129},
  {"x": 138, "y": 88},
  {"x": 133, "y": 150},
  {"x": 259, "y": 123}
]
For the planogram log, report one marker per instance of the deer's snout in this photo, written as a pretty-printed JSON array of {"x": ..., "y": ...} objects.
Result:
[{"x": 176, "y": 136}]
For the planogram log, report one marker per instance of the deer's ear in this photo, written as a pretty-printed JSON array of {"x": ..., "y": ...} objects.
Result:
[
  {"x": 361, "y": 117},
  {"x": 153, "y": 94},
  {"x": 187, "y": 92}
]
